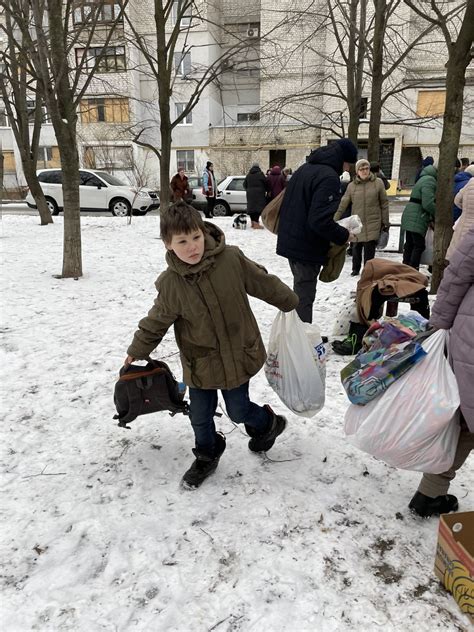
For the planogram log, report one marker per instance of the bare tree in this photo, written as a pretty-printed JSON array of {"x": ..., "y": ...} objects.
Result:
[
  {"x": 164, "y": 62},
  {"x": 52, "y": 36},
  {"x": 19, "y": 91},
  {"x": 460, "y": 50}
]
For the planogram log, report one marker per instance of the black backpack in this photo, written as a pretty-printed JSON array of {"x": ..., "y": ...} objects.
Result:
[{"x": 147, "y": 389}]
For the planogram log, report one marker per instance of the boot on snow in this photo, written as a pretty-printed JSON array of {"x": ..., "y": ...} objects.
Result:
[
  {"x": 353, "y": 342},
  {"x": 204, "y": 465},
  {"x": 424, "y": 506},
  {"x": 261, "y": 442}
]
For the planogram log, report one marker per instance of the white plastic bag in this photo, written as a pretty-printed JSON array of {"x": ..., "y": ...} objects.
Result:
[
  {"x": 427, "y": 254},
  {"x": 292, "y": 368},
  {"x": 353, "y": 223},
  {"x": 343, "y": 319},
  {"x": 318, "y": 349},
  {"x": 412, "y": 425}
]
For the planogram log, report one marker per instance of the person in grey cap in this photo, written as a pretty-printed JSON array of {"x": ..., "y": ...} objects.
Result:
[{"x": 307, "y": 223}]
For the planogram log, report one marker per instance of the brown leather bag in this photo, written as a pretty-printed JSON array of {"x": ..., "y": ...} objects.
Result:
[{"x": 271, "y": 213}]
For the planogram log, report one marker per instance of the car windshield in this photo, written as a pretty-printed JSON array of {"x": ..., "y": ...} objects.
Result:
[{"x": 110, "y": 179}]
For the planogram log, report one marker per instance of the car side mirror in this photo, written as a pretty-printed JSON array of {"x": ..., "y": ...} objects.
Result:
[{"x": 99, "y": 185}]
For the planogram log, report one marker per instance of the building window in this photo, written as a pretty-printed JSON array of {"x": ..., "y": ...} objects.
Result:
[
  {"x": 364, "y": 109},
  {"x": 188, "y": 119},
  {"x": 31, "y": 107},
  {"x": 182, "y": 8},
  {"x": 104, "y": 111},
  {"x": 96, "y": 11},
  {"x": 245, "y": 117},
  {"x": 48, "y": 157},
  {"x": 112, "y": 58},
  {"x": 431, "y": 103},
  {"x": 182, "y": 64},
  {"x": 185, "y": 159},
  {"x": 108, "y": 157},
  {"x": 3, "y": 118},
  {"x": 8, "y": 161}
]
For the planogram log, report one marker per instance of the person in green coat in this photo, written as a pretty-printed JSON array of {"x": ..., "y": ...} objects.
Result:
[
  {"x": 419, "y": 213},
  {"x": 204, "y": 294}
]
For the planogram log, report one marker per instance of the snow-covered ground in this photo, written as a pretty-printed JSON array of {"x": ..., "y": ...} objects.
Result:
[{"x": 97, "y": 535}]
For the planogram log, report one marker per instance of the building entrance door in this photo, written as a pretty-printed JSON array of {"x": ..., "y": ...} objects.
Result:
[{"x": 277, "y": 157}]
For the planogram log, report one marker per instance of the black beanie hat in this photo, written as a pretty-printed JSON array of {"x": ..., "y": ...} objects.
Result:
[
  {"x": 349, "y": 150},
  {"x": 208, "y": 164}
]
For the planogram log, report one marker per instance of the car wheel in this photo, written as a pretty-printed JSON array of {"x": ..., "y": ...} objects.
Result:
[
  {"x": 53, "y": 207},
  {"x": 221, "y": 209},
  {"x": 120, "y": 207}
]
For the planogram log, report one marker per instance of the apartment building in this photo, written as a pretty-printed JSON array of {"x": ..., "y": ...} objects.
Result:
[{"x": 275, "y": 97}]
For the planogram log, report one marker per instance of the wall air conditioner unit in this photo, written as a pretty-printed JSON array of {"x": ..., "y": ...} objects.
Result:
[{"x": 253, "y": 32}]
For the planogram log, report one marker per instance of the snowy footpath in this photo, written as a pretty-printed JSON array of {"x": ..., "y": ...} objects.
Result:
[{"x": 96, "y": 533}]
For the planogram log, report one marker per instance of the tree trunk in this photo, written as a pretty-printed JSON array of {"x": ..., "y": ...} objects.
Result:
[
  {"x": 62, "y": 110},
  {"x": 29, "y": 169},
  {"x": 165, "y": 65},
  {"x": 355, "y": 65},
  {"x": 460, "y": 56},
  {"x": 375, "y": 105}
]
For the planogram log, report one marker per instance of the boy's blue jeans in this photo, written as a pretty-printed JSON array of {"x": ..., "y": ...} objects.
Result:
[{"x": 202, "y": 407}]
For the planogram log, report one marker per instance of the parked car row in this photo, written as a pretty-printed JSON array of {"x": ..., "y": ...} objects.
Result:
[
  {"x": 98, "y": 191},
  {"x": 101, "y": 191}
]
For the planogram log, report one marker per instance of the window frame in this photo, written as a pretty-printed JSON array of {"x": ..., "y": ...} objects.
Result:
[
  {"x": 80, "y": 14},
  {"x": 188, "y": 120},
  {"x": 88, "y": 57},
  {"x": 250, "y": 117},
  {"x": 174, "y": 15},
  {"x": 187, "y": 163},
  {"x": 184, "y": 60},
  {"x": 97, "y": 110},
  {"x": 427, "y": 113}
]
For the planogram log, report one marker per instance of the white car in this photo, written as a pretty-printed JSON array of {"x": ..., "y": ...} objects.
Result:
[
  {"x": 231, "y": 197},
  {"x": 98, "y": 191}
]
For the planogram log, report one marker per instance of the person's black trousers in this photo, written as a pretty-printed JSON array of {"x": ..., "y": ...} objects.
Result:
[
  {"x": 413, "y": 249},
  {"x": 305, "y": 278},
  {"x": 368, "y": 247}
]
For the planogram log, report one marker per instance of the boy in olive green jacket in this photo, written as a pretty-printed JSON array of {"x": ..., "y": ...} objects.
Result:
[{"x": 204, "y": 295}]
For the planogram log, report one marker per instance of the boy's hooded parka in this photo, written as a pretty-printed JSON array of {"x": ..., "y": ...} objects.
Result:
[
  {"x": 454, "y": 310},
  {"x": 312, "y": 196},
  {"x": 369, "y": 201},
  {"x": 421, "y": 209},
  {"x": 216, "y": 332}
]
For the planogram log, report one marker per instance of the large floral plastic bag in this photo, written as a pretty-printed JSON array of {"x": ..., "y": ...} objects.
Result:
[
  {"x": 294, "y": 366},
  {"x": 388, "y": 352},
  {"x": 412, "y": 425}
]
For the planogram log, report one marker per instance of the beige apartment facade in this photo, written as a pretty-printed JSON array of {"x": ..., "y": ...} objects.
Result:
[{"x": 273, "y": 102}]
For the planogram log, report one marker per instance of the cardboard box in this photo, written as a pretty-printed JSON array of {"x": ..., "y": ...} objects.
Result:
[{"x": 454, "y": 563}]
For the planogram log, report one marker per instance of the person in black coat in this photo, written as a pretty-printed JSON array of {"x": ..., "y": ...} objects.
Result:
[
  {"x": 306, "y": 218},
  {"x": 257, "y": 186}
]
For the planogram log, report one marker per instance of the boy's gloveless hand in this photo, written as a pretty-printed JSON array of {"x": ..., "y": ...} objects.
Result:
[{"x": 128, "y": 361}]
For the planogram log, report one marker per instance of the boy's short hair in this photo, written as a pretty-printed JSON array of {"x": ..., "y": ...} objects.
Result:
[{"x": 179, "y": 218}]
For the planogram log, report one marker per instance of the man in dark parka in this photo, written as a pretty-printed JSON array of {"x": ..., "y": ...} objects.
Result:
[{"x": 306, "y": 218}]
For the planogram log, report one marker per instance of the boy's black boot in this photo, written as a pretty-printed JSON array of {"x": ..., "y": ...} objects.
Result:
[
  {"x": 204, "y": 465},
  {"x": 425, "y": 506},
  {"x": 353, "y": 341},
  {"x": 265, "y": 440}
]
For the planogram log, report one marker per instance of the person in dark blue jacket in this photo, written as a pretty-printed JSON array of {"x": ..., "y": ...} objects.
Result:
[
  {"x": 460, "y": 180},
  {"x": 306, "y": 218}
]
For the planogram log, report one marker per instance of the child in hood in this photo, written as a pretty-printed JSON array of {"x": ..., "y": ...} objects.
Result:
[{"x": 204, "y": 294}]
